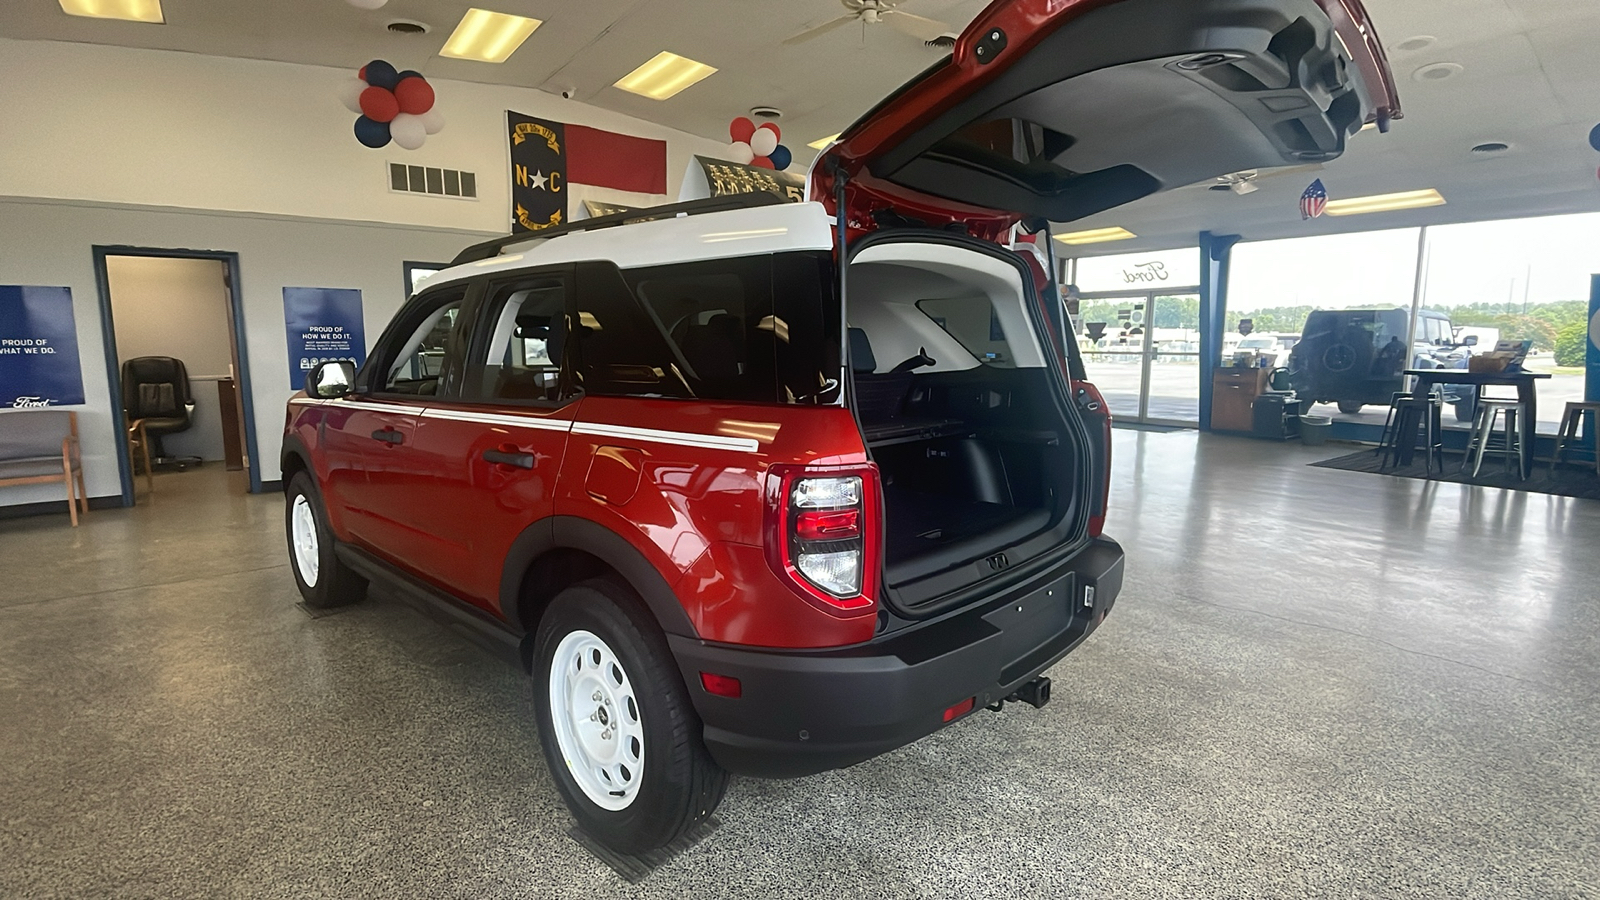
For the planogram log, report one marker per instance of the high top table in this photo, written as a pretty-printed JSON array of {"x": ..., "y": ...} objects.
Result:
[{"x": 1522, "y": 381}]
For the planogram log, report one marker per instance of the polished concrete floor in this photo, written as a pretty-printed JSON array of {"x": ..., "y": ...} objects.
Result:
[{"x": 1316, "y": 684}]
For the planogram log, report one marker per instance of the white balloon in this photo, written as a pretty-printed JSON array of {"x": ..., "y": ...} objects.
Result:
[
  {"x": 349, "y": 93},
  {"x": 764, "y": 141},
  {"x": 366, "y": 4},
  {"x": 432, "y": 120},
  {"x": 408, "y": 131},
  {"x": 740, "y": 152}
]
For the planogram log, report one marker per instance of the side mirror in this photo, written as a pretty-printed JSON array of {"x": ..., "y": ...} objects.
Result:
[
  {"x": 1470, "y": 340},
  {"x": 332, "y": 379}
]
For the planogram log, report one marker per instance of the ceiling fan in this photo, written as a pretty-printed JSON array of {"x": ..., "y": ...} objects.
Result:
[{"x": 873, "y": 12}]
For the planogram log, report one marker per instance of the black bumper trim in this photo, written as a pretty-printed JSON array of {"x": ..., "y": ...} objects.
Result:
[{"x": 803, "y": 712}]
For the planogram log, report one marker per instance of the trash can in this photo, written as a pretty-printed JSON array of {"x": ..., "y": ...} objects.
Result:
[{"x": 1314, "y": 430}]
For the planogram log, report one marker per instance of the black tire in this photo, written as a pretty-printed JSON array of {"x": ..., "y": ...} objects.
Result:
[
  {"x": 681, "y": 785},
  {"x": 1350, "y": 408},
  {"x": 334, "y": 583}
]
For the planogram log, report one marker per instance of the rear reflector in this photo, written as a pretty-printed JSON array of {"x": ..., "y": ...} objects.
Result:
[
  {"x": 957, "y": 711},
  {"x": 721, "y": 685},
  {"x": 833, "y": 525}
]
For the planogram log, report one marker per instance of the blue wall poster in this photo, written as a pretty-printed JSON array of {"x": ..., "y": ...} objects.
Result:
[
  {"x": 38, "y": 348},
  {"x": 323, "y": 324}
]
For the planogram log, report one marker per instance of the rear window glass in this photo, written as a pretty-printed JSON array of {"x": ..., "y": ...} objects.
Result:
[
  {"x": 974, "y": 323},
  {"x": 757, "y": 329}
]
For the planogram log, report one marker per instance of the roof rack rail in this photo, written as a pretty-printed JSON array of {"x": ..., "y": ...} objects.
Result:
[{"x": 491, "y": 248}]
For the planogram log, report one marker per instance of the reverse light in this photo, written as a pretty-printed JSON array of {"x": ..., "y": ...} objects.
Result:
[
  {"x": 822, "y": 536},
  {"x": 721, "y": 685}
]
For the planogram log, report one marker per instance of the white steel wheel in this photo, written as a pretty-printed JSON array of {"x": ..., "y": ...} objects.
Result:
[
  {"x": 596, "y": 719},
  {"x": 303, "y": 539}
]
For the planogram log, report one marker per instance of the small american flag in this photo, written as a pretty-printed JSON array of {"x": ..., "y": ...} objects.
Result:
[{"x": 1314, "y": 201}]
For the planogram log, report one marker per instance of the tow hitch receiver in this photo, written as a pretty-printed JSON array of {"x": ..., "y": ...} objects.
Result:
[{"x": 1035, "y": 693}]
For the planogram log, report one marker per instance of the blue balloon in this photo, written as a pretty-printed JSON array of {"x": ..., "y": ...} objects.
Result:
[
  {"x": 373, "y": 133},
  {"x": 781, "y": 157},
  {"x": 409, "y": 73},
  {"x": 1594, "y": 138},
  {"x": 381, "y": 74}
]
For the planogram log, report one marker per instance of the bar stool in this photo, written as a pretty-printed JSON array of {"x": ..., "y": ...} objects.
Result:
[
  {"x": 1407, "y": 414},
  {"x": 1489, "y": 411},
  {"x": 1569, "y": 430}
]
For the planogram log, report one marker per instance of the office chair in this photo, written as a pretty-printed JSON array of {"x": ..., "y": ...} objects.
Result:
[{"x": 155, "y": 394}]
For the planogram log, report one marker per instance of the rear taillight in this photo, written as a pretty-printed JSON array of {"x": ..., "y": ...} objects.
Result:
[
  {"x": 1095, "y": 411},
  {"x": 823, "y": 535}
]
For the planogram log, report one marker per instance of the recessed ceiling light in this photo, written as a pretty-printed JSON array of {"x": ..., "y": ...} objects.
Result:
[
  {"x": 1357, "y": 206},
  {"x": 1413, "y": 44},
  {"x": 128, "y": 10},
  {"x": 1096, "y": 236},
  {"x": 823, "y": 143},
  {"x": 487, "y": 36},
  {"x": 1437, "y": 72},
  {"x": 664, "y": 76}
]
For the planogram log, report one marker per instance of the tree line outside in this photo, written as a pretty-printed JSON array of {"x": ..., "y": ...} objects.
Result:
[{"x": 1561, "y": 326}]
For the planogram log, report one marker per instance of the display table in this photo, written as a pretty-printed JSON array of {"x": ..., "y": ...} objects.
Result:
[{"x": 1522, "y": 381}]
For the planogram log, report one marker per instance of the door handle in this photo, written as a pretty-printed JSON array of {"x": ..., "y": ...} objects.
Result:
[
  {"x": 388, "y": 436},
  {"x": 502, "y": 458}
]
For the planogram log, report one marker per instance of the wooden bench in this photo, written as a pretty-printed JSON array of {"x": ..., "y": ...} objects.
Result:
[{"x": 40, "y": 446}]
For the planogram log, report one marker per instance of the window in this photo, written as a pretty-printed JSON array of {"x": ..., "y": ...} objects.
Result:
[
  {"x": 758, "y": 328},
  {"x": 418, "y": 273},
  {"x": 975, "y": 324},
  {"x": 525, "y": 351},
  {"x": 419, "y": 365}
]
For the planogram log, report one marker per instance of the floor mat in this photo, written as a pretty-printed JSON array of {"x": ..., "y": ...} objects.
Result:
[{"x": 1567, "y": 480}]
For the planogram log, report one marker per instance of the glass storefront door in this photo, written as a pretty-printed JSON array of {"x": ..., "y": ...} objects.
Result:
[{"x": 1142, "y": 350}]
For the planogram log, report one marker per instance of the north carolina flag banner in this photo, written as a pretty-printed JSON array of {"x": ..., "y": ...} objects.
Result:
[{"x": 547, "y": 157}]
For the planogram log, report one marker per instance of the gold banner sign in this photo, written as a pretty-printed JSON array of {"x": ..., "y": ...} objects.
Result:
[{"x": 725, "y": 178}]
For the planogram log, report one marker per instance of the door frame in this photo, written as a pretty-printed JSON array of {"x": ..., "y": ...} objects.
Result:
[
  {"x": 108, "y": 335},
  {"x": 1147, "y": 351}
]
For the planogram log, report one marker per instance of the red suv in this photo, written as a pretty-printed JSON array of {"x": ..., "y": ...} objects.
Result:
[{"x": 772, "y": 488}]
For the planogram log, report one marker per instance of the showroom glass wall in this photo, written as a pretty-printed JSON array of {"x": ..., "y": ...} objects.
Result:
[
  {"x": 1138, "y": 327},
  {"x": 1522, "y": 279}
]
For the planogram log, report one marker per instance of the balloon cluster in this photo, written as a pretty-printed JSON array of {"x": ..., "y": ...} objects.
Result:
[
  {"x": 755, "y": 146},
  {"x": 395, "y": 106}
]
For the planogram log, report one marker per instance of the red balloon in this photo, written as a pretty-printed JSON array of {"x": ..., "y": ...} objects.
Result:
[
  {"x": 775, "y": 132},
  {"x": 740, "y": 130},
  {"x": 362, "y": 74},
  {"x": 761, "y": 162},
  {"x": 414, "y": 94},
  {"x": 379, "y": 105}
]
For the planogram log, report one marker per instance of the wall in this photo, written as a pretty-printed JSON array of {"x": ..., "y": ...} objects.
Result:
[
  {"x": 177, "y": 308},
  {"x": 50, "y": 243},
  {"x": 120, "y": 125},
  {"x": 115, "y": 146}
]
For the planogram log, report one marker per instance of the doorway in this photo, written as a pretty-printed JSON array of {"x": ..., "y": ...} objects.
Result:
[
  {"x": 176, "y": 360},
  {"x": 1142, "y": 350}
]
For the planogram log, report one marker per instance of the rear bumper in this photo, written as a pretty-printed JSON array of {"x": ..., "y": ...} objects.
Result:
[{"x": 803, "y": 712}]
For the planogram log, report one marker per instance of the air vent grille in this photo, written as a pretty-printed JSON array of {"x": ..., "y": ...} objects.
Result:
[{"x": 454, "y": 183}]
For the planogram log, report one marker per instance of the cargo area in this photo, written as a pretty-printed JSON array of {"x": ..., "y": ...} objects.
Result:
[{"x": 961, "y": 413}]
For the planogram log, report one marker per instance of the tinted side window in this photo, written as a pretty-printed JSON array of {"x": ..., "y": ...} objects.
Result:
[
  {"x": 525, "y": 349},
  {"x": 718, "y": 314},
  {"x": 418, "y": 364},
  {"x": 623, "y": 349}
]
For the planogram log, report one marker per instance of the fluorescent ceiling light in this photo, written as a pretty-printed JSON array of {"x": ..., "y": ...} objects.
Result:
[
  {"x": 488, "y": 36},
  {"x": 1356, "y": 206},
  {"x": 664, "y": 75},
  {"x": 1097, "y": 236},
  {"x": 131, "y": 10},
  {"x": 822, "y": 144}
]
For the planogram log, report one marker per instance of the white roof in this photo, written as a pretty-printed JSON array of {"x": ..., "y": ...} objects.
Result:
[{"x": 741, "y": 232}]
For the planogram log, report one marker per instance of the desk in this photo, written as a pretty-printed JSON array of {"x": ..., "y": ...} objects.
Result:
[{"x": 1522, "y": 381}]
